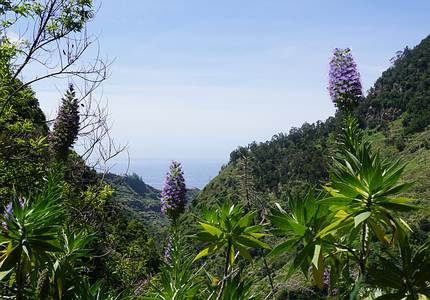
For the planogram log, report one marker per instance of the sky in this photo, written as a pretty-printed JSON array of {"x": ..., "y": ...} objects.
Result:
[{"x": 192, "y": 80}]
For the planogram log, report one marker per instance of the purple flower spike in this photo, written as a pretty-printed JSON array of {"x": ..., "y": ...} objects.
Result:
[
  {"x": 174, "y": 191},
  {"x": 66, "y": 126},
  {"x": 344, "y": 80}
]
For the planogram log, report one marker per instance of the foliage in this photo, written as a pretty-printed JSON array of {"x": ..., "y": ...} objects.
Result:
[
  {"x": 64, "y": 248},
  {"x": 229, "y": 227},
  {"x": 178, "y": 279},
  {"x": 35, "y": 257},
  {"x": 404, "y": 278},
  {"x": 362, "y": 191},
  {"x": 301, "y": 226},
  {"x": 402, "y": 91},
  {"x": 67, "y": 16},
  {"x": 288, "y": 162},
  {"x": 236, "y": 288},
  {"x": 337, "y": 228},
  {"x": 126, "y": 256},
  {"x": 361, "y": 203},
  {"x": 69, "y": 237},
  {"x": 29, "y": 234},
  {"x": 23, "y": 146}
]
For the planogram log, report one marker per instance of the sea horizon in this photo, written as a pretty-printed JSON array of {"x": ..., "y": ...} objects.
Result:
[{"x": 197, "y": 172}]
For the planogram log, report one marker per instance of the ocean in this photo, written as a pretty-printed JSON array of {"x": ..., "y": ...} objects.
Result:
[{"x": 197, "y": 173}]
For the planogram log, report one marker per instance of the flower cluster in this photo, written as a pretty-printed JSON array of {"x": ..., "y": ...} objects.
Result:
[
  {"x": 173, "y": 198},
  {"x": 344, "y": 80},
  {"x": 66, "y": 126}
]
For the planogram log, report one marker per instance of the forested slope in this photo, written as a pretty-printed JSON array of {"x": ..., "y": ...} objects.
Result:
[{"x": 396, "y": 113}]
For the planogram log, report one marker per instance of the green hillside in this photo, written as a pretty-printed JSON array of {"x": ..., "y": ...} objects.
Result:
[
  {"x": 398, "y": 102},
  {"x": 396, "y": 118},
  {"x": 141, "y": 201},
  {"x": 337, "y": 209}
]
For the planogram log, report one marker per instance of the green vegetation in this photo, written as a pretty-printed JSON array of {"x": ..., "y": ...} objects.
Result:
[
  {"x": 286, "y": 167},
  {"x": 332, "y": 210}
]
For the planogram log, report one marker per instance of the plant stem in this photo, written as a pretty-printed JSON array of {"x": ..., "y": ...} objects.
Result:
[
  {"x": 364, "y": 244},
  {"x": 19, "y": 281},
  {"x": 269, "y": 275},
  {"x": 227, "y": 264}
]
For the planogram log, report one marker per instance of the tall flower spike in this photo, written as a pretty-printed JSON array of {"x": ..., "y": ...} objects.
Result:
[
  {"x": 174, "y": 191},
  {"x": 66, "y": 126},
  {"x": 344, "y": 80}
]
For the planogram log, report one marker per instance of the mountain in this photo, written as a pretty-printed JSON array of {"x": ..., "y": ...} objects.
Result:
[{"x": 396, "y": 115}]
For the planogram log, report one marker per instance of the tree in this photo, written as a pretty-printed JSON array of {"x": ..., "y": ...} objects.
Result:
[{"x": 50, "y": 34}]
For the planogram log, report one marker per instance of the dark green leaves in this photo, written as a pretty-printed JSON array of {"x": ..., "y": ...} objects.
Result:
[{"x": 301, "y": 227}]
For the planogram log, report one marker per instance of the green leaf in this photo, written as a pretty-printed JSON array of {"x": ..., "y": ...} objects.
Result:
[
  {"x": 3, "y": 274},
  {"x": 211, "y": 229},
  {"x": 203, "y": 253},
  {"x": 394, "y": 200},
  {"x": 404, "y": 223},
  {"x": 341, "y": 222},
  {"x": 318, "y": 268},
  {"x": 10, "y": 257},
  {"x": 246, "y": 220},
  {"x": 361, "y": 218},
  {"x": 398, "y": 206},
  {"x": 243, "y": 251},
  {"x": 205, "y": 237},
  {"x": 232, "y": 255},
  {"x": 284, "y": 247},
  {"x": 335, "y": 201},
  {"x": 379, "y": 232},
  {"x": 301, "y": 259},
  {"x": 254, "y": 228},
  {"x": 298, "y": 229},
  {"x": 251, "y": 242},
  {"x": 315, "y": 258},
  {"x": 396, "y": 190},
  {"x": 392, "y": 296},
  {"x": 258, "y": 235}
]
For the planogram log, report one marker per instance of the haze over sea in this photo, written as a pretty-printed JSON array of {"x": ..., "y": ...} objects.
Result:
[{"x": 197, "y": 172}]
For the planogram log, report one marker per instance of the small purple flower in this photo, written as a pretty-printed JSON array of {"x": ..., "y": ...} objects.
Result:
[
  {"x": 8, "y": 211},
  {"x": 173, "y": 198},
  {"x": 344, "y": 80},
  {"x": 326, "y": 279}
]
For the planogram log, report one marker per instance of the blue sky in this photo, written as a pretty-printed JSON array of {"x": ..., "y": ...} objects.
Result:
[{"x": 194, "y": 79}]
